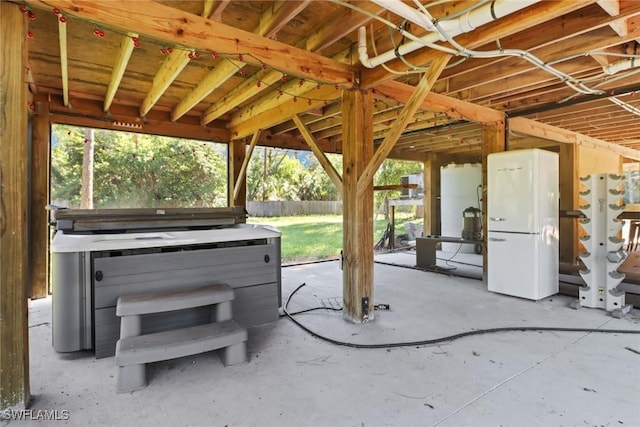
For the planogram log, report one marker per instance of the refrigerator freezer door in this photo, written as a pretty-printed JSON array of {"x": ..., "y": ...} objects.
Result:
[
  {"x": 523, "y": 265},
  {"x": 522, "y": 190}
]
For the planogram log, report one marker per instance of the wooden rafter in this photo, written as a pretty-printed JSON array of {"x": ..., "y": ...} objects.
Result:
[
  {"x": 284, "y": 112},
  {"x": 64, "y": 61},
  {"x": 168, "y": 24},
  {"x": 270, "y": 23},
  {"x": 292, "y": 89},
  {"x": 244, "y": 91},
  {"x": 208, "y": 84},
  {"x": 559, "y": 31},
  {"x": 169, "y": 70},
  {"x": 540, "y": 130},
  {"x": 322, "y": 37},
  {"x": 126, "y": 49},
  {"x": 454, "y": 108},
  {"x": 410, "y": 108},
  {"x": 320, "y": 155},
  {"x": 242, "y": 175}
]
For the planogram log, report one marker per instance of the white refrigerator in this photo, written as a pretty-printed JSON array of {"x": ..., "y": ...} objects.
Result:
[{"x": 522, "y": 223}]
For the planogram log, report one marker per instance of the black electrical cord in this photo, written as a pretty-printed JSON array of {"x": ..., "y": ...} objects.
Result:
[{"x": 442, "y": 339}]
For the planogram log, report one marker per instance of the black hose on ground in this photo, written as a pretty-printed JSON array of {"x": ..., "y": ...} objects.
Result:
[{"x": 441, "y": 339}]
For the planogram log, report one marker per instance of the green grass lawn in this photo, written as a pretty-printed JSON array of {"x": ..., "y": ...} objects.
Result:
[{"x": 306, "y": 238}]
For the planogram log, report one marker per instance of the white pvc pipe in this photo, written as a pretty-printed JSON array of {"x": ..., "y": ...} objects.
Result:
[
  {"x": 463, "y": 24},
  {"x": 616, "y": 67}
]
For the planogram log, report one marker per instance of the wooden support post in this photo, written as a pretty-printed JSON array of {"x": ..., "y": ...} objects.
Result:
[
  {"x": 431, "y": 203},
  {"x": 239, "y": 185},
  {"x": 236, "y": 186},
  {"x": 493, "y": 141},
  {"x": 569, "y": 200},
  {"x": 39, "y": 229},
  {"x": 357, "y": 252},
  {"x": 14, "y": 249}
]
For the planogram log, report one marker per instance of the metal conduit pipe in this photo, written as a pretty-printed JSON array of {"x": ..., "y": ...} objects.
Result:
[{"x": 463, "y": 24}]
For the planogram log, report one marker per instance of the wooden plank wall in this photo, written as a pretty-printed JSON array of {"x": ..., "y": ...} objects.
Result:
[{"x": 14, "y": 339}]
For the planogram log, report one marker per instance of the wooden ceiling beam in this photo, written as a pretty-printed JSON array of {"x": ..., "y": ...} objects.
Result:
[
  {"x": 284, "y": 112},
  {"x": 530, "y": 127},
  {"x": 322, "y": 158},
  {"x": 410, "y": 108},
  {"x": 171, "y": 25},
  {"x": 169, "y": 70},
  {"x": 213, "y": 80},
  {"x": 516, "y": 22},
  {"x": 291, "y": 142},
  {"x": 243, "y": 92},
  {"x": 126, "y": 118},
  {"x": 292, "y": 89},
  {"x": 271, "y": 21},
  {"x": 328, "y": 113},
  {"x": 320, "y": 38},
  {"x": 124, "y": 54},
  {"x": 452, "y": 107},
  {"x": 496, "y": 71},
  {"x": 64, "y": 60}
]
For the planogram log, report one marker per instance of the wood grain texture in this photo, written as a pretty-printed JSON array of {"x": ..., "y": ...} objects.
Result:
[
  {"x": 493, "y": 141},
  {"x": 39, "y": 232},
  {"x": 357, "y": 252},
  {"x": 569, "y": 162},
  {"x": 399, "y": 125},
  {"x": 171, "y": 25},
  {"x": 14, "y": 249},
  {"x": 241, "y": 179},
  {"x": 237, "y": 153},
  {"x": 540, "y": 130}
]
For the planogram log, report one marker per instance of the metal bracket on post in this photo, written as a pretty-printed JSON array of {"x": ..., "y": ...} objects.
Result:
[{"x": 365, "y": 308}]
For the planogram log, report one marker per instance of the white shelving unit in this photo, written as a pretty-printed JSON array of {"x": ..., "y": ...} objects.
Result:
[{"x": 604, "y": 247}]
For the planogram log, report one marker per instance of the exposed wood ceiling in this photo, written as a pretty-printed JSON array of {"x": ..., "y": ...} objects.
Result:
[{"x": 226, "y": 69}]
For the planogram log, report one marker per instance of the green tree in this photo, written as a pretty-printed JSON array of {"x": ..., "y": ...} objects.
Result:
[{"x": 135, "y": 170}]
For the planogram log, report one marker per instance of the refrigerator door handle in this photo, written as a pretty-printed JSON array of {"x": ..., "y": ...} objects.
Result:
[
  {"x": 497, "y": 218},
  {"x": 495, "y": 239}
]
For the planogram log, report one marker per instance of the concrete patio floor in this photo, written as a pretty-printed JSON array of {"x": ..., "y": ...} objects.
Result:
[{"x": 295, "y": 379}]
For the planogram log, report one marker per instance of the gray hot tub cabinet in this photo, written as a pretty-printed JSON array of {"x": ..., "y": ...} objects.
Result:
[{"x": 90, "y": 272}]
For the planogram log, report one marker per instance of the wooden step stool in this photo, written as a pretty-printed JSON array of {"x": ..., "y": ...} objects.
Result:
[{"x": 134, "y": 350}]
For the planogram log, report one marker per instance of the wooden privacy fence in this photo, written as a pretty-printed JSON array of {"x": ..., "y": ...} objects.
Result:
[{"x": 293, "y": 208}]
